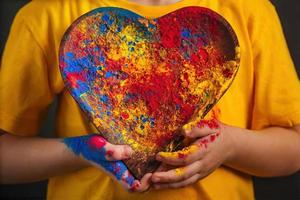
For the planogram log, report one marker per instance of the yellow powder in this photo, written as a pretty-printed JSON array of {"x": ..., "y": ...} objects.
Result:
[
  {"x": 179, "y": 171},
  {"x": 180, "y": 154}
]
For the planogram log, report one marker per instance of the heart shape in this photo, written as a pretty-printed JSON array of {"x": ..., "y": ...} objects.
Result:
[{"x": 140, "y": 80}]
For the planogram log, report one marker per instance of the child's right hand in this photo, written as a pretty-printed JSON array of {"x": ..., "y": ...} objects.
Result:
[{"x": 100, "y": 153}]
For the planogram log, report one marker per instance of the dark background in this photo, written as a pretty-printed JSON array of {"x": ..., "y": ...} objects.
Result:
[{"x": 282, "y": 188}]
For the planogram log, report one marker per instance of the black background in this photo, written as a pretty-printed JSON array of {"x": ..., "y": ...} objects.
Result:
[{"x": 281, "y": 188}]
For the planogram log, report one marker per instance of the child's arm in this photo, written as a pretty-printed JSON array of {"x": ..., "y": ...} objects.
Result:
[
  {"x": 25, "y": 159},
  {"x": 273, "y": 151}
]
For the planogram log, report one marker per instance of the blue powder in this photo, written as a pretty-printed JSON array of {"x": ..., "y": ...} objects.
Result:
[
  {"x": 103, "y": 28},
  {"x": 80, "y": 146},
  {"x": 144, "y": 120},
  {"x": 119, "y": 28},
  {"x": 86, "y": 41},
  {"x": 186, "y": 33},
  {"x": 72, "y": 64},
  {"x": 107, "y": 19},
  {"x": 102, "y": 58},
  {"x": 70, "y": 55},
  {"x": 129, "y": 180},
  {"x": 85, "y": 106},
  {"x": 108, "y": 74},
  {"x": 82, "y": 87},
  {"x": 152, "y": 119},
  {"x": 84, "y": 62},
  {"x": 104, "y": 98}
]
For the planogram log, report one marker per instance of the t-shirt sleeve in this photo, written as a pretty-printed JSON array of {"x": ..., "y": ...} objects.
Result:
[
  {"x": 277, "y": 87},
  {"x": 25, "y": 92}
]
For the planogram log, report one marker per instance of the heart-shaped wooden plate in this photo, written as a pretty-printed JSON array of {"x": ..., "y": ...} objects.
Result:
[{"x": 140, "y": 80}]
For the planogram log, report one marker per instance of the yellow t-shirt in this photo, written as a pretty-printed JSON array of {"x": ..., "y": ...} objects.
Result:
[{"x": 266, "y": 90}]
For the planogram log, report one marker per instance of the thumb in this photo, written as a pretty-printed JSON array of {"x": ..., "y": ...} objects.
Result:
[{"x": 117, "y": 152}]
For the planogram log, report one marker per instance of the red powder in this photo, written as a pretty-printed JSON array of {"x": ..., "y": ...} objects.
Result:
[
  {"x": 203, "y": 142},
  {"x": 213, "y": 124},
  {"x": 170, "y": 35},
  {"x": 186, "y": 78},
  {"x": 156, "y": 90},
  {"x": 97, "y": 142},
  {"x": 195, "y": 59},
  {"x": 181, "y": 155},
  {"x": 227, "y": 73},
  {"x": 74, "y": 77},
  {"x": 187, "y": 111},
  {"x": 116, "y": 169},
  {"x": 114, "y": 66},
  {"x": 124, "y": 115},
  {"x": 203, "y": 54},
  {"x": 109, "y": 153},
  {"x": 212, "y": 138},
  {"x": 200, "y": 59},
  {"x": 163, "y": 139},
  {"x": 214, "y": 27},
  {"x": 216, "y": 113},
  {"x": 135, "y": 186}
]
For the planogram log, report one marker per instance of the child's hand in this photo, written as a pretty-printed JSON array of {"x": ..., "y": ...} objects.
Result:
[
  {"x": 212, "y": 148},
  {"x": 96, "y": 150}
]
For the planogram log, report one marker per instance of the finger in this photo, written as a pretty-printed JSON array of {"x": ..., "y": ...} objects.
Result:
[
  {"x": 117, "y": 170},
  {"x": 205, "y": 141},
  {"x": 128, "y": 181},
  {"x": 178, "y": 174},
  {"x": 107, "y": 150},
  {"x": 164, "y": 167},
  {"x": 211, "y": 123},
  {"x": 185, "y": 156},
  {"x": 117, "y": 152},
  {"x": 179, "y": 184},
  {"x": 120, "y": 172},
  {"x": 143, "y": 185},
  {"x": 94, "y": 148},
  {"x": 203, "y": 128}
]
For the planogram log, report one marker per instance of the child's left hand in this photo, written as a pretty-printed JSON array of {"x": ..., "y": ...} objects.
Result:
[{"x": 213, "y": 147}]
